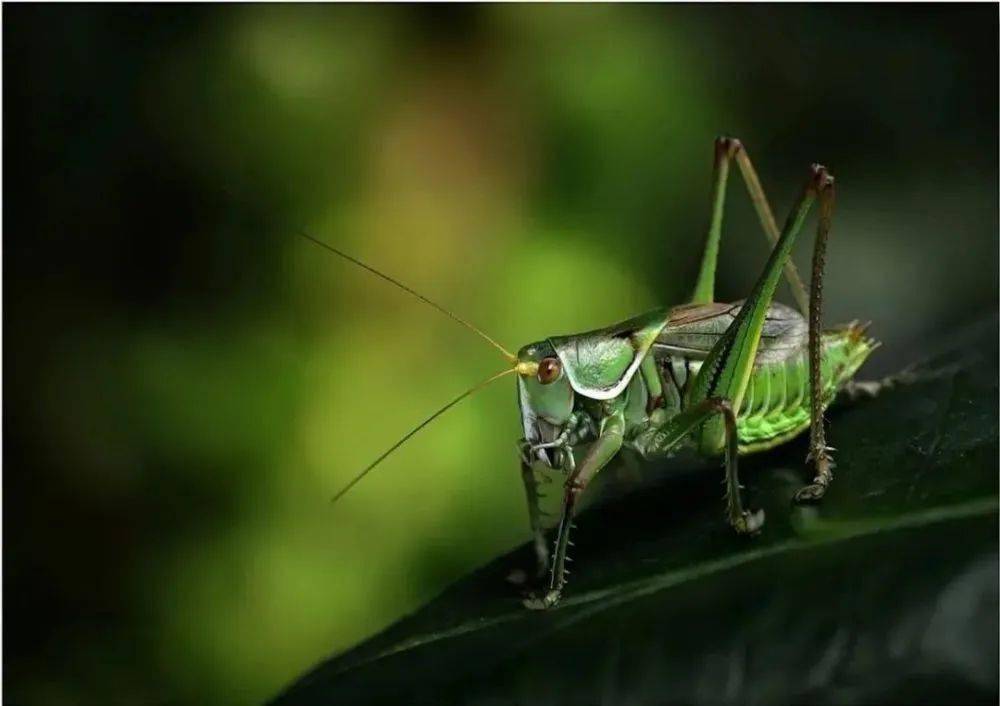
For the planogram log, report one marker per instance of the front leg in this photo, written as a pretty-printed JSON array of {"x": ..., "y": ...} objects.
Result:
[
  {"x": 535, "y": 518},
  {"x": 529, "y": 452},
  {"x": 612, "y": 434}
]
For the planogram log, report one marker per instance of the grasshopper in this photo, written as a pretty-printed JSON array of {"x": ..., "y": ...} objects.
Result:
[{"x": 724, "y": 379}]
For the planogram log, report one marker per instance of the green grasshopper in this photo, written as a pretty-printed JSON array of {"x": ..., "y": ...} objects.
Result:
[{"x": 723, "y": 379}]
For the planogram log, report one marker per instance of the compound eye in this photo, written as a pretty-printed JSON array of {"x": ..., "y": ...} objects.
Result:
[{"x": 548, "y": 370}]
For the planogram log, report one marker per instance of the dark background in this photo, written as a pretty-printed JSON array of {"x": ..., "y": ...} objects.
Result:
[{"x": 186, "y": 382}]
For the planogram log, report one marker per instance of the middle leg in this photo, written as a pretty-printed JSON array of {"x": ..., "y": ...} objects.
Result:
[{"x": 663, "y": 439}]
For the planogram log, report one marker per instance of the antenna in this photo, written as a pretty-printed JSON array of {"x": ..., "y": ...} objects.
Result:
[
  {"x": 412, "y": 432},
  {"x": 475, "y": 329}
]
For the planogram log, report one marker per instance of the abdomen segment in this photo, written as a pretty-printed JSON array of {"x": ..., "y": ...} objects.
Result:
[{"x": 776, "y": 405}]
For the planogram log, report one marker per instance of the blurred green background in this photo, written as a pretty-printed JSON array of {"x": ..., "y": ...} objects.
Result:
[{"x": 187, "y": 382}]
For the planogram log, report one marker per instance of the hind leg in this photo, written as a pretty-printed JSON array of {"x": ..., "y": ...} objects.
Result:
[
  {"x": 819, "y": 452},
  {"x": 728, "y": 149},
  {"x": 728, "y": 367}
]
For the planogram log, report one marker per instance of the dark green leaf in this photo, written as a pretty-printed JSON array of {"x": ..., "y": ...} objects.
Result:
[{"x": 885, "y": 593}]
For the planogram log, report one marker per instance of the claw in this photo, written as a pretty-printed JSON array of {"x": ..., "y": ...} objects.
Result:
[
  {"x": 545, "y": 602},
  {"x": 811, "y": 493}
]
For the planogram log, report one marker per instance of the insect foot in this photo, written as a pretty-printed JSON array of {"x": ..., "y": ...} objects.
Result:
[
  {"x": 824, "y": 474},
  {"x": 748, "y": 523},
  {"x": 811, "y": 493},
  {"x": 549, "y": 600}
]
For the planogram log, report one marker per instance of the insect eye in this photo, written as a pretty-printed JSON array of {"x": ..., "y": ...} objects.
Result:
[{"x": 548, "y": 370}]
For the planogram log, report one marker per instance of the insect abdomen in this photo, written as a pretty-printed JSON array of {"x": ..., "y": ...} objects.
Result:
[{"x": 776, "y": 405}]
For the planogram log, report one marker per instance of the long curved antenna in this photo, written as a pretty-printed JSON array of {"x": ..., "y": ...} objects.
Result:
[
  {"x": 377, "y": 461},
  {"x": 507, "y": 354}
]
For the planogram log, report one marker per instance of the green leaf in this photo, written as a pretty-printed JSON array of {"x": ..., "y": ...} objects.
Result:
[{"x": 884, "y": 593}]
